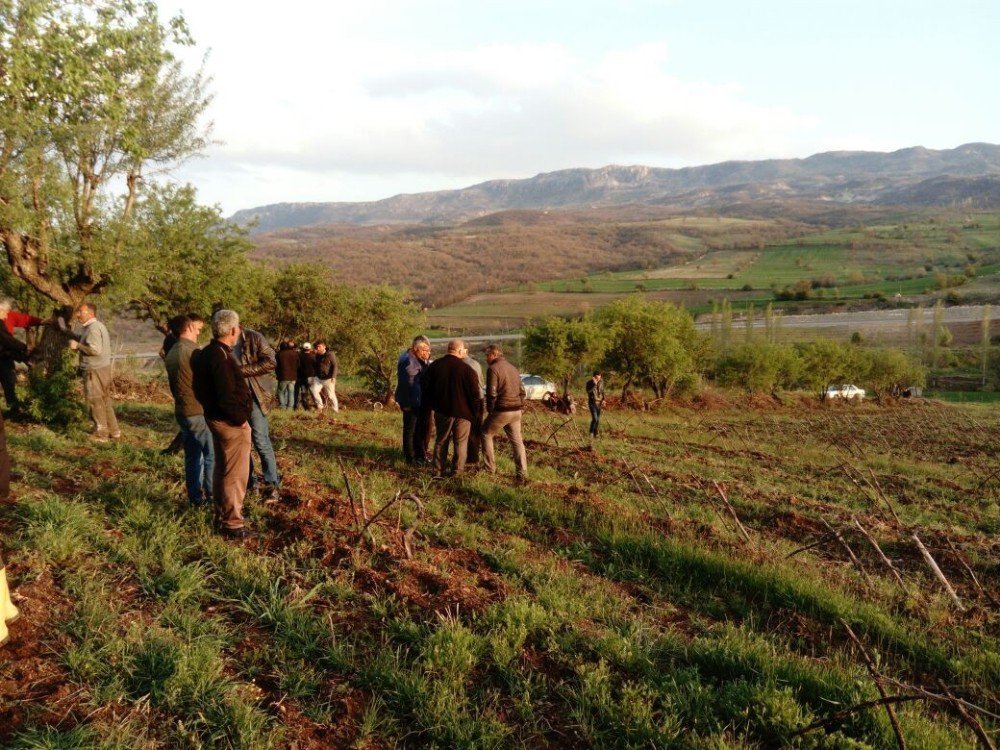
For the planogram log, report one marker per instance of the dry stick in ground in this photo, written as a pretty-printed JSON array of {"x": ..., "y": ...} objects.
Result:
[
  {"x": 732, "y": 511},
  {"x": 968, "y": 718},
  {"x": 350, "y": 493},
  {"x": 877, "y": 679},
  {"x": 968, "y": 570},
  {"x": 847, "y": 548},
  {"x": 826, "y": 538},
  {"x": 839, "y": 716},
  {"x": 937, "y": 571},
  {"x": 885, "y": 560}
]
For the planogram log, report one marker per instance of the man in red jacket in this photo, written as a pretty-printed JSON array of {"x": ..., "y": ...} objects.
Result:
[{"x": 12, "y": 319}]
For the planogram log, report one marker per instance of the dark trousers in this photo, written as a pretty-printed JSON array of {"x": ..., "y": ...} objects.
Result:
[
  {"x": 425, "y": 433},
  {"x": 595, "y": 418},
  {"x": 413, "y": 442},
  {"x": 8, "y": 380}
]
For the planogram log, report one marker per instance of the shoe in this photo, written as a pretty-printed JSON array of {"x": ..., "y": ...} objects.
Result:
[
  {"x": 95, "y": 438},
  {"x": 116, "y": 436},
  {"x": 8, "y": 612},
  {"x": 237, "y": 534},
  {"x": 269, "y": 494}
]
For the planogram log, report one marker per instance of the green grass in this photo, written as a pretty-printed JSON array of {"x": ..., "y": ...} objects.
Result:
[{"x": 607, "y": 604}]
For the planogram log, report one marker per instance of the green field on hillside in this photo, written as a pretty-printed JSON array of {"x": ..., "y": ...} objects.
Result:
[
  {"x": 611, "y": 602},
  {"x": 913, "y": 259}
]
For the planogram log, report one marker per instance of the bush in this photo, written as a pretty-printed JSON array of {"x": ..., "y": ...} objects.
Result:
[{"x": 54, "y": 398}]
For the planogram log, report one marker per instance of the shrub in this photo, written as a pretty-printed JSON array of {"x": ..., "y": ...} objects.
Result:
[{"x": 54, "y": 397}]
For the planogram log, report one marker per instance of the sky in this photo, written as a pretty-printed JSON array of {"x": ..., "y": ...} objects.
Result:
[{"x": 349, "y": 101}]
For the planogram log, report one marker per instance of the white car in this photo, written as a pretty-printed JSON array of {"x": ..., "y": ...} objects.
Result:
[
  {"x": 847, "y": 391},
  {"x": 535, "y": 387}
]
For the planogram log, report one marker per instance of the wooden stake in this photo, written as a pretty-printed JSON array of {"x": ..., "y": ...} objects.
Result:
[
  {"x": 968, "y": 569},
  {"x": 808, "y": 547},
  {"x": 968, "y": 718},
  {"x": 847, "y": 548},
  {"x": 732, "y": 511},
  {"x": 886, "y": 561},
  {"x": 877, "y": 679},
  {"x": 937, "y": 571}
]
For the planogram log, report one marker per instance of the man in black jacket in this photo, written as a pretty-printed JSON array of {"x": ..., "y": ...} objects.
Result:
[
  {"x": 327, "y": 369},
  {"x": 257, "y": 362},
  {"x": 225, "y": 396},
  {"x": 451, "y": 389}
]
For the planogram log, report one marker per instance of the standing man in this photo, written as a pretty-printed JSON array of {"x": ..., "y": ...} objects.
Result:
[
  {"x": 199, "y": 455},
  {"x": 287, "y": 371},
  {"x": 94, "y": 345},
  {"x": 453, "y": 391},
  {"x": 410, "y": 368},
  {"x": 327, "y": 369},
  {"x": 476, "y": 435},
  {"x": 306, "y": 374},
  {"x": 504, "y": 404},
  {"x": 595, "y": 401},
  {"x": 12, "y": 320},
  {"x": 225, "y": 396},
  {"x": 257, "y": 362}
]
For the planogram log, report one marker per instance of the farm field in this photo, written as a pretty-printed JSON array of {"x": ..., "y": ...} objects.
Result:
[
  {"x": 610, "y": 602},
  {"x": 914, "y": 260}
]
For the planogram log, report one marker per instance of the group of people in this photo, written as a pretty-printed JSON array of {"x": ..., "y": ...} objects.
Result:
[
  {"x": 307, "y": 376},
  {"x": 448, "y": 409}
]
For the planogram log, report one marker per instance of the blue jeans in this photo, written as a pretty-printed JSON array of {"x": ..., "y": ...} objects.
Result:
[
  {"x": 286, "y": 394},
  {"x": 262, "y": 444},
  {"x": 199, "y": 457},
  {"x": 595, "y": 418}
]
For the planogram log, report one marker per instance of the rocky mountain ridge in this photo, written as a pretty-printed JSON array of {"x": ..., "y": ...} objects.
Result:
[{"x": 967, "y": 175}]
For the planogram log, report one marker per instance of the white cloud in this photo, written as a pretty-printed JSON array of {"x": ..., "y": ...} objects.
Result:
[{"x": 499, "y": 111}]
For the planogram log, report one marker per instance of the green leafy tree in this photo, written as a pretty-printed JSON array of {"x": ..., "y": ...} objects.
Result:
[
  {"x": 889, "y": 371},
  {"x": 304, "y": 302},
  {"x": 557, "y": 348},
  {"x": 760, "y": 367},
  {"x": 825, "y": 363},
  {"x": 184, "y": 257},
  {"x": 92, "y": 100},
  {"x": 653, "y": 343},
  {"x": 376, "y": 323}
]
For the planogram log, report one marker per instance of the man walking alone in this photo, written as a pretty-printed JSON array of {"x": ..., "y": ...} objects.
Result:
[
  {"x": 504, "y": 404},
  {"x": 595, "y": 401}
]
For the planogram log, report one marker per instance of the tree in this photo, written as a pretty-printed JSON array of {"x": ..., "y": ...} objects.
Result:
[
  {"x": 305, "y": 303},
  {"x": 184, "y": 257},
  {"x": 91, "y": 98},
  {"x": 824, "y": 363},
  {"x": 654, "y": 343},
  {"x": 759, "y": 367},
  {"x": 376, "y": 324},
  {"x": 890, "y": 370},
  {"x": 557, "y": 347}
]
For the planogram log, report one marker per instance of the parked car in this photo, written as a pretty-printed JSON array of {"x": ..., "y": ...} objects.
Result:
[
  {"x": 846, "y": 391},
  {"x": 535, "y": 387}
]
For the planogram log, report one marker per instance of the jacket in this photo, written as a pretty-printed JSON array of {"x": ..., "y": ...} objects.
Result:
[
  {"x": 409, "y": 372},
  {"x": 17, "y": 319},
  {"x": 307, "y": 365},
  {"x": 595, "y": 392},
  {"x": 257, "y": 363},
  {"x": 288, "y": 365},
  {"x": 504, "y": 389},
  {"x": 95, "y": 346},
  {"x": 11, "y": 347},
  {"x": 326, "y": 365},
  {"x": 451, "y": 388},
  {"x": 220, "y": 386}
]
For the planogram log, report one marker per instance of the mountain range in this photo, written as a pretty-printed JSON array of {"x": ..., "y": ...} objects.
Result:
[{"x": 968, "y": 175}]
